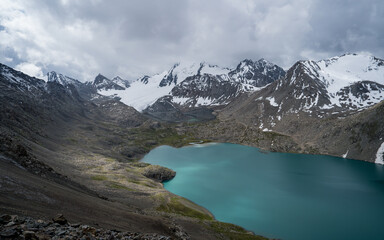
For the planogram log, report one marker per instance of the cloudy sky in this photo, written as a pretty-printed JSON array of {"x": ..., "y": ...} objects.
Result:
[{"x": 129, "y": 38}]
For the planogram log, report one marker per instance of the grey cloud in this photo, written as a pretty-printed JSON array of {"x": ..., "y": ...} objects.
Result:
[
  {"x": 136, "y": 37},
  {"x": 340, "y": 26},
  {"x": 9, "y": 56}
]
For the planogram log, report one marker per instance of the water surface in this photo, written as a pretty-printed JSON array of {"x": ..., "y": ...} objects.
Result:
[{"x": 280, "y": 195}]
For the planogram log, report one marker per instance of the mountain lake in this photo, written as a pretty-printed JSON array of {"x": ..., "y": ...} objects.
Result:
[{"x": 279, "y": 195}]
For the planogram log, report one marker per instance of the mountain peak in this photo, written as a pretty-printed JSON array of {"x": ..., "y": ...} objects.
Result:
[
  {"x": 257, "y": 74},
  {"x": 117, "y": 78},
  {"x": 348, "y": 82},
  {"x": 103, "y": 83},
  {"x": 247, "y": 61},
  {"x": 100, "y": 76},
  {"x": 53, "y": 76}
]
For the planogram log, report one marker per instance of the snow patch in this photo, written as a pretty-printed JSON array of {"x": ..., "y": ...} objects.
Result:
[
  {"x": 345, "y": 154},
  {"x": 213, "y": 69},
  {"x": 180, "y": 100},
  {"x": 380, "y": 155},
  {"x": 141, "y": 95},
  {"x": 272, "y": 101},
  {"x": 203, "y": 101},
  {"x": 339, "y": 73}
]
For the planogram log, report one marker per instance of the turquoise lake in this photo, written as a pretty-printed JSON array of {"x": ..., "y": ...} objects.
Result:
[{"x": 279, "y": 195}]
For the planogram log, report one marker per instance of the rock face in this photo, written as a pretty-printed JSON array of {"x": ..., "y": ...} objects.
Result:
[
  {"x": 15, "y": 227},
  {"x": 158, "y": 173}
]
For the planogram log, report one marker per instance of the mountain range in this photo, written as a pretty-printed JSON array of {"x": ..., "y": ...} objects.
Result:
[
  {"x": 78, "y": 142},
  {"x": 257, "y": 93},
  {"x": 211, "y": 84},
  {"x": 347, "y": 82}
]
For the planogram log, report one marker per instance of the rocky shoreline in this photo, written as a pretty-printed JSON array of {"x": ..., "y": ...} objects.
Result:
[{"x": 17, "y": 227}]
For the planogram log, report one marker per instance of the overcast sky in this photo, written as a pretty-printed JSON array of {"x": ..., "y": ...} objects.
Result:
[{"x": 130, "y": 38}]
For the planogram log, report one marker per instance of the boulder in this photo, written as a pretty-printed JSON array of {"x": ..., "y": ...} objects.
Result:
[{"x": 60, "y": 219}]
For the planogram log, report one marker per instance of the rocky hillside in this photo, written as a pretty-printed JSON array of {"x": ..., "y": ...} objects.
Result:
[
  {"x": 63, "y": 153},
  {"x": 66, "y": 148}
]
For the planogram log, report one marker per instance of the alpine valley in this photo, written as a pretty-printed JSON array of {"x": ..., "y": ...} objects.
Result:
[{"x": 72, "y": 146}]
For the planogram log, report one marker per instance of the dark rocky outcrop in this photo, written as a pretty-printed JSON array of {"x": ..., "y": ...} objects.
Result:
[{"x": 158, "y": 173}]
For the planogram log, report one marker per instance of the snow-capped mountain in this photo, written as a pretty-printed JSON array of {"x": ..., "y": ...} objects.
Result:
[
  {"x": 60, "y": 97},
  {"x": 348, "y": 82},
  {"x": 141, "y": 92},
  {"x": 85, "y": 90},
  {"x": 193, "y": 85},
  {"x": 339, "y": 85},
  {"x": 10, "y": 78},
  {"x": 147, "y": 89},
  {"x": 103, "y": 83},
  {"x": 352, "y": 80},
  {"x": 258, "y": 73},
  {"x": 214, "y": 86},
  {"x": 61, "y": 79},
  {"x": 36, "y": 95},
  {"x": 180, "y": 72}
]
